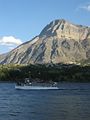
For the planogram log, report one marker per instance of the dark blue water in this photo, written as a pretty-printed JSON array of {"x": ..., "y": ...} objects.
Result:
[{"x": 72, "y": 103}]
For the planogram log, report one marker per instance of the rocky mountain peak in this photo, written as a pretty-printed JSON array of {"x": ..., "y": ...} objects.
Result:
[
  {"x": 64, "y": 29},
  {"x": 52, "y": 27},
  {"x": 59, "y": 42}
]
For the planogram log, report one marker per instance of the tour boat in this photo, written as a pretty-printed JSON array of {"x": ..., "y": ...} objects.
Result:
[{"x": 37, "y": 86}]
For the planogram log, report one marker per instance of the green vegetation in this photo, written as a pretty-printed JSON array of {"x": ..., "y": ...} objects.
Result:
[{"x": 45, "y": 72}]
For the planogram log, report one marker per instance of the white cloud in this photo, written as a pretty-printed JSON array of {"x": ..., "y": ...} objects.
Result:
[
  {"x": 85, "y": 7},
  {"x": 10, "y": 41}
]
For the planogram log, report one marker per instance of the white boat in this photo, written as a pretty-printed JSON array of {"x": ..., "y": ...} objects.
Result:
[
  {"x": 37, "y": 86},
  {"x": 25, "y": 87}
]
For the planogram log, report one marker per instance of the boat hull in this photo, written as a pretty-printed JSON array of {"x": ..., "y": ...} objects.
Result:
[{"x": 36, "y": 88}]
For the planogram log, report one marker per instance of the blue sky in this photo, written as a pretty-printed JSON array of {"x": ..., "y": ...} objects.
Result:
[{"x": 21, "y": 20}]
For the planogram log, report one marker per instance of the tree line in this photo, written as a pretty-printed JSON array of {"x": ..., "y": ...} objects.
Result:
[{"x": 45, "y": 72}]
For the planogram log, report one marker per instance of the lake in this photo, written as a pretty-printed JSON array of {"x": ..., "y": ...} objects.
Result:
[{"x": 72, "y": 102}]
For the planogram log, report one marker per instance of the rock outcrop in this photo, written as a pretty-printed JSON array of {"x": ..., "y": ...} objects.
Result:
[{"x": 59, "y": 42}]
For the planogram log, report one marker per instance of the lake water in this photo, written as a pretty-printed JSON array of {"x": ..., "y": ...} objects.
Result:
[{"x": 70, "y": 103}]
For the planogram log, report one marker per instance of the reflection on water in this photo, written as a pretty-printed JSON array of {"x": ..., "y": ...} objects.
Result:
[{"x": 70, "y": 103}]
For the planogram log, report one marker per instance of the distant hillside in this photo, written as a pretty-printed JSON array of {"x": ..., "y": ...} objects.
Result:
[
  {"x": 2, "y": 56},
  {"x": 59, "y": 42}
]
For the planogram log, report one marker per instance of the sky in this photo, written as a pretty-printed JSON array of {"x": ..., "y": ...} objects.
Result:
[{"x": 21, "y": 20}]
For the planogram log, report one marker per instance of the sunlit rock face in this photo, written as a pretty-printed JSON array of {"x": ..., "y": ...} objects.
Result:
[{"x": 59, "y": 42}]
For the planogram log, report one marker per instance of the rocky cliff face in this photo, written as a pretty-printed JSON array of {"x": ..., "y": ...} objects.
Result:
[{"x": 59, "y": 42}]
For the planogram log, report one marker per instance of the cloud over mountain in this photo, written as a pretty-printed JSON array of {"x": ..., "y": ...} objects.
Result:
[{"x": 10, "y": 41}]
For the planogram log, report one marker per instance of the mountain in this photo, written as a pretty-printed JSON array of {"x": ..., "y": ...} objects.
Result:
[
  {"x": 59, "y": 42},
  {"x": 2, "y": 56}
]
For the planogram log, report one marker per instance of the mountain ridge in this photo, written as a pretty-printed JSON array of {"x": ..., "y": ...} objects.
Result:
[{"x": 59, "y": 42}]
